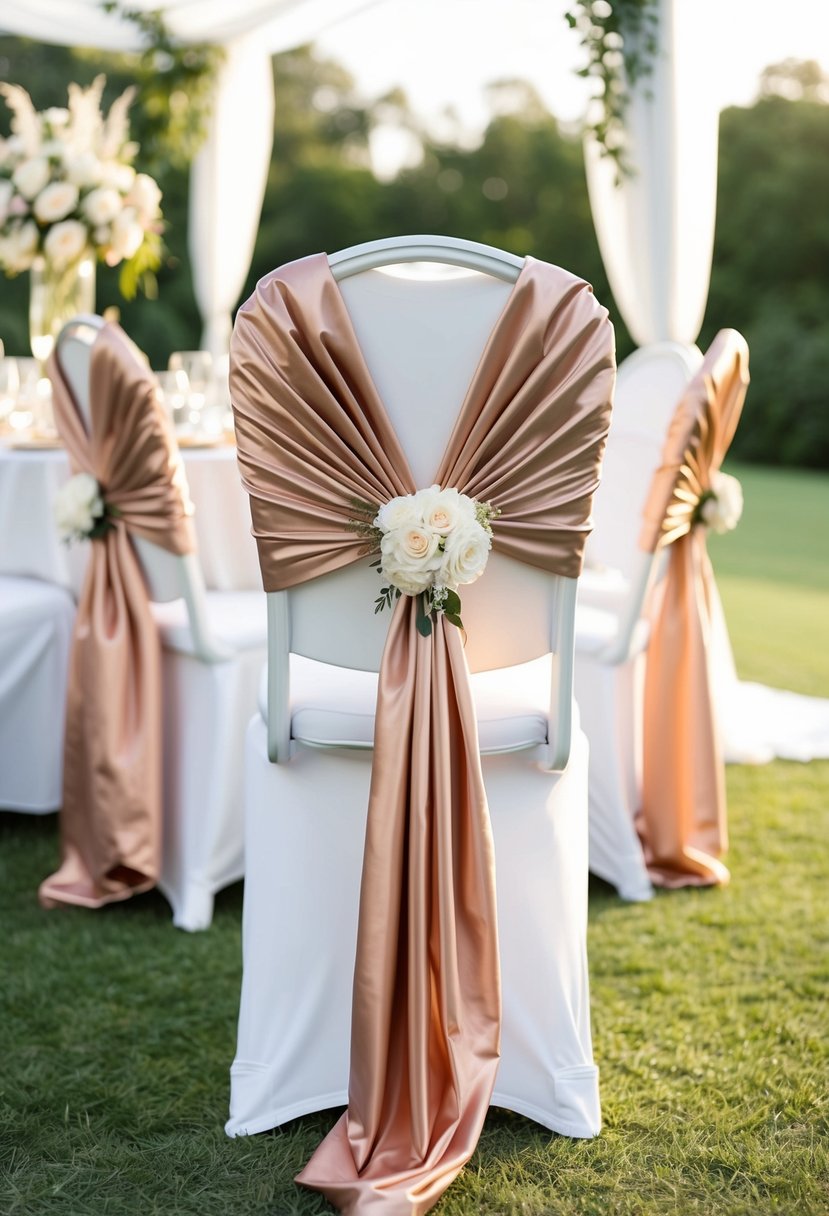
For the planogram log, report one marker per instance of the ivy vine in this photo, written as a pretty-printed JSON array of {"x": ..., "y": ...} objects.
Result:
[
  {"x": 176, "y": 83},
  {"x": 621, "y": 41}
]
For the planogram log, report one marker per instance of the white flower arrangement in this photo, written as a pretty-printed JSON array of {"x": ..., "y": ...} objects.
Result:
[
  {"x": 68, "y": 188},
  {"x": 720, "y": 507},
  {"x": 80, "y": 510},
  {"x": 430, "y": 543}
]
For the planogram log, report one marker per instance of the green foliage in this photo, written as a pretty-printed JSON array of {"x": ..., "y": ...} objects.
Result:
[
  {"x": 175, "y": 87},
  {"x": 770, "y": 276},
  {"x": 620, "y": 38}
]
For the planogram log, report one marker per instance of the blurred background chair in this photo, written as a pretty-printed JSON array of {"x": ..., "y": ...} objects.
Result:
[
  {"x": 611, "y": 622},
  {"x": 308, "y": 760},
  {"x": 36, "y": 621},
  {"x": 214, "y": 646},
  {"x": 622, "y": 599}
]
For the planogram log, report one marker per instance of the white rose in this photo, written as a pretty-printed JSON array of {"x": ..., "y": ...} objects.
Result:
[
  {"x": 127, "y": 237},
  {"x": 101, "y": 206},
  {"x": 78, "y": 505},
  {"x": 55, "y": 202},
  {"x": 18, "y": 248},
  {"x": 398, "y": 512},
  {"x": 83, "y": 169},
  {"x": 6, "y": 192},
  {"x": 445, "y": 510},
  {"x": 18, "y": 206},
  {"x": 118, "y": 177},
  {"x": 65, "y": 242},
  {"x": 722, "y": 512},
  {"x": 31, "y": 176},
  {"x": 465, "y": 555},
  {"x": 145, "y": 195},
  {"x": 409, "y": 558}
]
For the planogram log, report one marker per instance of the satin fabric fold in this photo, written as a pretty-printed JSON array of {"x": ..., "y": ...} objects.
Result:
[
  {"x": 111, "y": 813},
  {"x": 313, "y": 437},
  {"x": 683, "y": 823}
]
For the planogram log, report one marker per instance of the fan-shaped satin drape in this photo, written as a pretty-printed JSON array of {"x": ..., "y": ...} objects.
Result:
[
  {"x": 313, "y": 437},
  {"x": 683, "y": 819},
  {"x": 111, "y": 814}
]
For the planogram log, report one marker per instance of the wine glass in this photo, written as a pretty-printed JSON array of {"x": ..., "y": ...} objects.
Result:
[
  {"x": 9, "y": 386},
  {"x": 197, "y": 365},
  {"x": 174, "y": 391}
]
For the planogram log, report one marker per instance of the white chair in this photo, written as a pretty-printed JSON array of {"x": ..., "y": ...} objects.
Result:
[
  {"x": 611, "y": 625},
  {"x": 36, "y": 621},
  {"x": 214, "y": 647},
  {"x": 308, "y": 757}
]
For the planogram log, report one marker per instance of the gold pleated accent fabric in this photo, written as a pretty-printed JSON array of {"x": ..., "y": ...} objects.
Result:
[
  {"x": 111, "y": 814},
  {"x": 312, "y": 437},
  {"x": 683, "y": 822}
]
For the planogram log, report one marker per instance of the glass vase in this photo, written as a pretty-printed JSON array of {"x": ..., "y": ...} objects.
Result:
[{"x": 55, "y": 296}]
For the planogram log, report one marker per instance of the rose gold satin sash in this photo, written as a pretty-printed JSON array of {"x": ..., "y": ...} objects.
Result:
[
  {"x": 111, "y": 814},
  {"x": 313, "y": 436},
  {"x": 683, "y": 821}
]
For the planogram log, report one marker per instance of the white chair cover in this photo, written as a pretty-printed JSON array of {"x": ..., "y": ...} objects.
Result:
[
  {"x": 609, "y": 679},
  {"x": 36, "y": 621},
  {"x": 305, "y": 819}
]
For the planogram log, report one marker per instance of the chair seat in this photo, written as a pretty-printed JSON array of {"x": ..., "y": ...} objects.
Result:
[
  {"x": 334, "y": 706},
  {"x": 238, "y": 620}
]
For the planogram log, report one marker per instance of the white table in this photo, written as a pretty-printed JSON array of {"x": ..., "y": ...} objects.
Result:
[{"x": 29, "y": 544}]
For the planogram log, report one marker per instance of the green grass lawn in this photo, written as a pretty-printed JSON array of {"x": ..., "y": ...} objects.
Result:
[{"x": 709, "y": 1007}]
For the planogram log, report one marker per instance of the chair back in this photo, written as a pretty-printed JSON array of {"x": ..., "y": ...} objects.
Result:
[
  {"x": 649, "y": 385},
  {"x": 167, "y": 576},
  {"x": 401, "y": 315}
]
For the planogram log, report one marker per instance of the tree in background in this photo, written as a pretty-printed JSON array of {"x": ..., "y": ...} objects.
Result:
[
  {"x": 522, "y": 188},
  {"x": 771, "y": 263}
]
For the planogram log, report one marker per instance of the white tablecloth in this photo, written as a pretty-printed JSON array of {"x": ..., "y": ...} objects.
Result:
[{"x": 29, "y": 544}]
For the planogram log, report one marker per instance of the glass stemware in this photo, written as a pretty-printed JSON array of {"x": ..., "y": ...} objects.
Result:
[{"x": 197, "y": 365}]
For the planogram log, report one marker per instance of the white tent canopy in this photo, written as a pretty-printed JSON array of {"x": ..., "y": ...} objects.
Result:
[{"x": 227, "y": 183}]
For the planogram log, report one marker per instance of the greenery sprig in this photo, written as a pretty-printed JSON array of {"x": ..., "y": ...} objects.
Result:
[
  {"x": 621, "y": 41},
  {"x": 176, "y": 85}
]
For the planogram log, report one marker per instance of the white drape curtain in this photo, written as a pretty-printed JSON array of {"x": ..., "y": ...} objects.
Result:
[
  {"x": 227, "y": 186},
  {"x": 656, "y": 227},
  {"x": 228, "y": 177}
]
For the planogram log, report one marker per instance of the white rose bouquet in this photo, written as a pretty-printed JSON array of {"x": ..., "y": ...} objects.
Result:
[
  {"x": 720, "y": 507},
  {"x": 430, "y": 543},
  {"x": 80, "y": 510},
  {"x": 68, "y": 187}
]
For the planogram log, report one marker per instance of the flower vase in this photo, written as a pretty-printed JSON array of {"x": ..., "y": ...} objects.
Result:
[{"x": 56, "y": 295}]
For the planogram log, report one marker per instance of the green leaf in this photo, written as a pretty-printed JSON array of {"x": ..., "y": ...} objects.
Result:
[
  {"x": 422, "y": 621},
  {"x": 424, "y": 626},
  {"x": 454, "y": 619},
  {"x": 452, "y": 603}
]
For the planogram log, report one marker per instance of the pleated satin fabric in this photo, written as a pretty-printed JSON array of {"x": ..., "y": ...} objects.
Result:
[
  {"x": 111, "y": 813},
  {"x": 313, "y": 436},
  {"x": 683, "y": 822}
]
